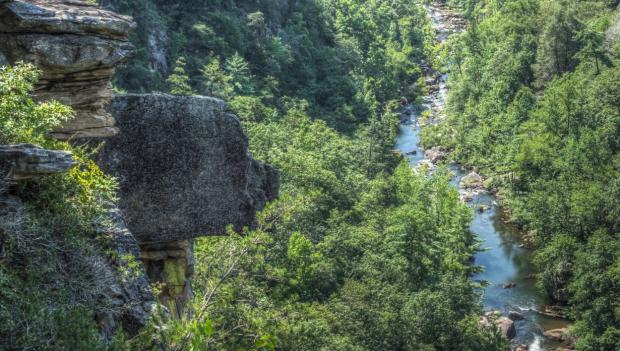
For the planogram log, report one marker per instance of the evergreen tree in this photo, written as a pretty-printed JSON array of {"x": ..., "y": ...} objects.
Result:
[{"x": 178, "y": 81}]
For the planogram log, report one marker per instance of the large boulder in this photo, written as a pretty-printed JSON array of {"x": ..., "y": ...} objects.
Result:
[
  {"x": 76, "y": 46},
  {"x": 62, "y": 17},
  {"x": 494, "y": 320},
  {"x": 472, "y": 181},
  {"x": 183, "y": 168},
  {"x": 435, "y": 154},
  {"x": 507, "y": 328}
]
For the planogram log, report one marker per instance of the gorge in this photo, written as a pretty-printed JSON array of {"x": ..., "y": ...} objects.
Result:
[{"x": 309, "y": 175}]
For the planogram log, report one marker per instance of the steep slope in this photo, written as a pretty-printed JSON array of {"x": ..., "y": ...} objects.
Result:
[{"x": 65, "y": 247}]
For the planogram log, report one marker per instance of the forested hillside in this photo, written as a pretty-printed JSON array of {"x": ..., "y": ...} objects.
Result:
[
  {"x": 344, "y": 59},
  {"x": 359, "y": 253},
  {"x": 534, "y": 103},
  {"x": 350, "y": 244}
]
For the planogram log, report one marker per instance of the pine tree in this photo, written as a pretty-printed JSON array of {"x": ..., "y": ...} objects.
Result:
[
  {"x": 217, "y": 81},
  {"x": 179, "y": 80},
  {"x": 239, "y": 71}
]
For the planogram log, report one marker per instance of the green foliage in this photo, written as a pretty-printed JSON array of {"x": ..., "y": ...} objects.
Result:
[
  {"x": 340, "y": 259},
  {"x": 22, "y": 120},
  {"x": 359, "y": 253},
  {"x": 178, "y": 80},
  {"x": 344, "y": 58},
  {"x": 534, "y": 104},
  {"x": 217, "y": 82},
  {"x": 50, "y": 279}
]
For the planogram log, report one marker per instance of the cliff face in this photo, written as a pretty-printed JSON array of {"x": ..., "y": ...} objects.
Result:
[
  {"x": 76, "y": 46},
  {"x": 182, "y": 162},
  {"x": 123, "y": 300}
]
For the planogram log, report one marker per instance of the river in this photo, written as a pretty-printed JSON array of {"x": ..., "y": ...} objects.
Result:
[{"x": 503, "y": 259}]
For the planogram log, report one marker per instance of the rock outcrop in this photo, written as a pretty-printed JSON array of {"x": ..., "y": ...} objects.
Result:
[
  {"x": 472, "y": 181},
  {"x": 507, "y": 328},
  {"x": 562, "y": 335},
  {"x": 170, "y": 266},
  {"x": 76, "y": 46},
  {"x": 182, "y": 162},
  {"x": 183, "y": 168},
  {"x": 26, "y": 161},
  {"x": 184, "y": 171},
  {"x": 435, "y": 154}
]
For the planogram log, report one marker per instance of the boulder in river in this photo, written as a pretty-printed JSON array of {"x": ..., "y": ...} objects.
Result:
[
  {"x": 515, "y": 316},
  {"x": 562, "y": 335},
  {"x": 507, "y": 327},
  {"x": 494, "y": 319},
  {"x": 472, "y": 181},
  {"x": 559, "y": 334},
  {"x": 510, "y": 285},
  {"x": 467, "y": 196},
  {"x": 435, "y": 154}
]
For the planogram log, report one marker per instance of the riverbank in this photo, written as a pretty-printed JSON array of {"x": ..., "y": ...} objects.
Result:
[{"x": 510, "y": 296}]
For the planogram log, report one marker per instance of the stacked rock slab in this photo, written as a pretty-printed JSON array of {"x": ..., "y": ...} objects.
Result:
[
  {"x": 26, "y": 161},
  {"x": 184, "y": 171},
  {"x": 76, "y": 46}
]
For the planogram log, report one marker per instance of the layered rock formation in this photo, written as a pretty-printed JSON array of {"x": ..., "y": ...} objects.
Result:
[
  {"x": 184, "y": 171},
  {"x": 76, "y": 46},
  {"x": 170, "y": 266},
  {"x": 26, "y": 161}
]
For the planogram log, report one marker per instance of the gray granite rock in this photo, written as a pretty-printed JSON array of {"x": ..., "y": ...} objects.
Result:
[
  {"x": 184, "y": 168},
  {"x": 62, "y": 16},
  {"x": 26, "y": 161}
]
